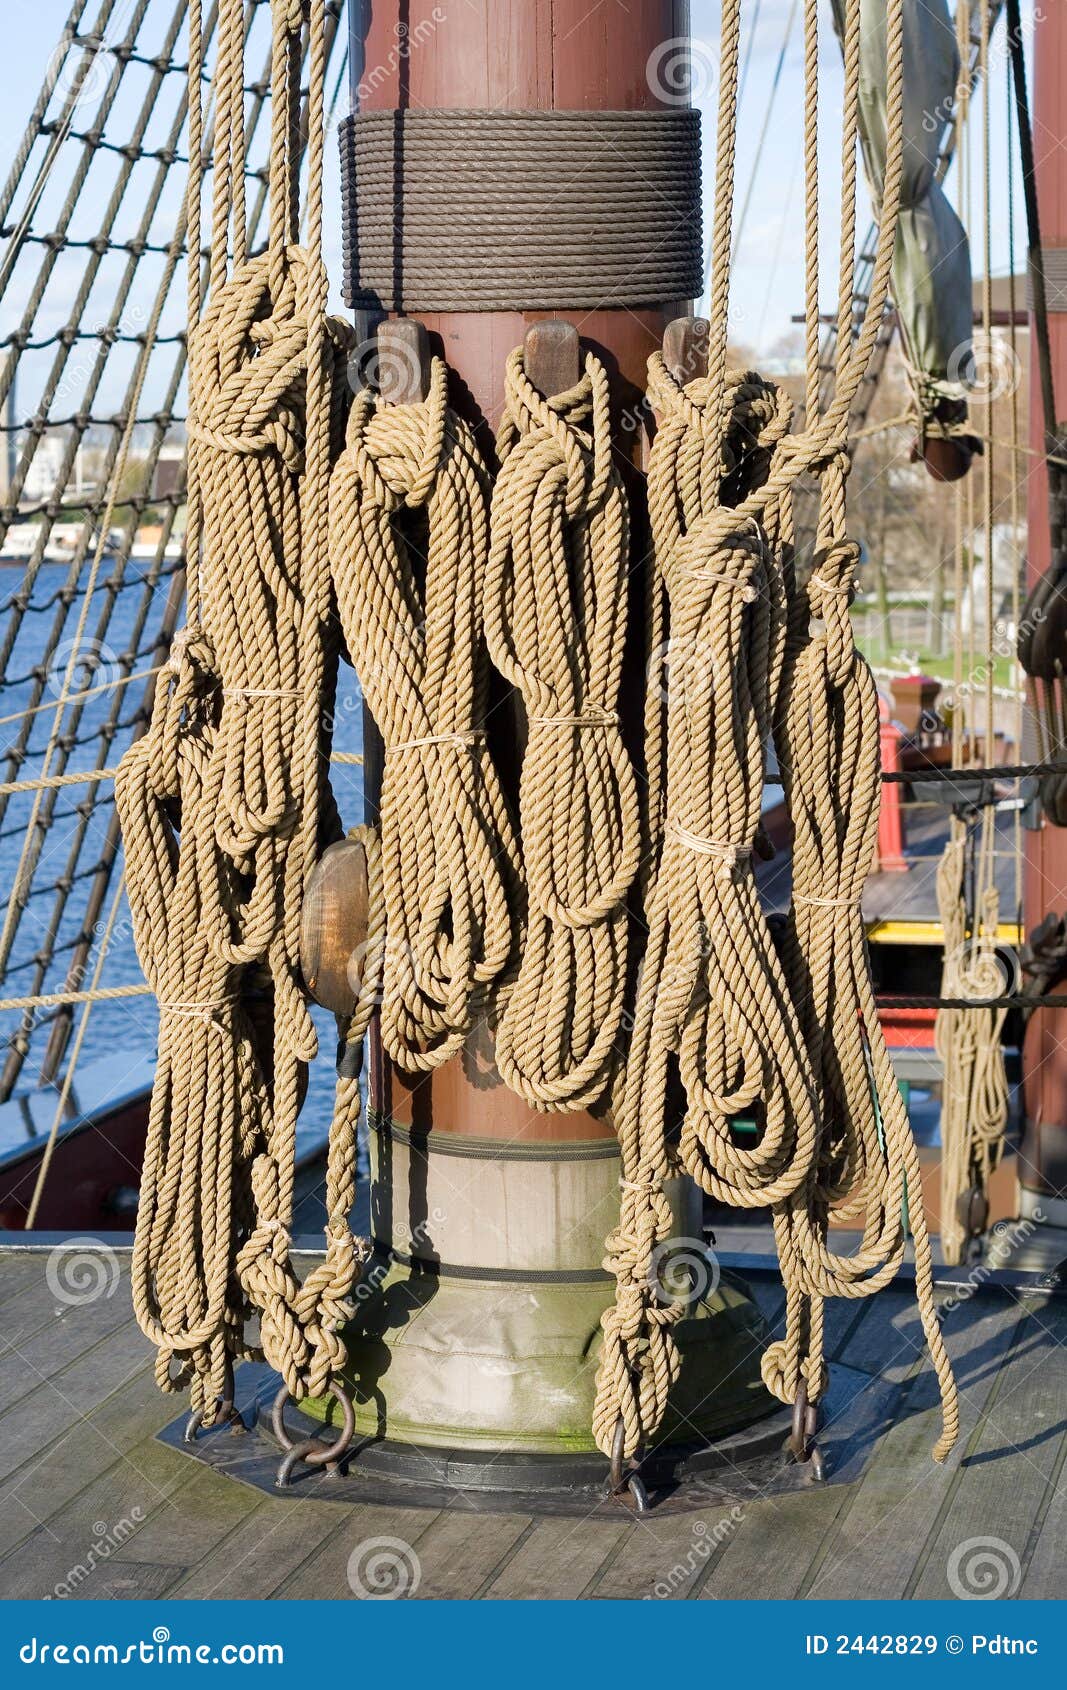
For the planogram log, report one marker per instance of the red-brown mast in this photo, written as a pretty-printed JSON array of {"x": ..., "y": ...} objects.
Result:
[{"x": 519, "y": 54}]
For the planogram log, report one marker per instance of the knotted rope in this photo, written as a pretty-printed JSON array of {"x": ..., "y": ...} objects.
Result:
[
  {"x": 721, "y": 526},
  {"x": 867, "y": 1170},
  {"x": 712, "y": 994},
  {"x": 411, "y": 477},
  {"x": 555, "y": 622},
  {"x": 223, "y": 799}
]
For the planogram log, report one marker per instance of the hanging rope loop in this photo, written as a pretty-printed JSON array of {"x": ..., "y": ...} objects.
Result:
[
  {"x": 555, "y": 622},
  {"x": 450, "y": 864}
]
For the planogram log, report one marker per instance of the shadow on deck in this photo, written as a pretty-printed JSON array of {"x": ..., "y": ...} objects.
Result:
[{"x": 95, "y": 1506}]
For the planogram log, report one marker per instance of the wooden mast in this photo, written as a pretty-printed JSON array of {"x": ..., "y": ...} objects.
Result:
[{"x": 517, "y": 54}]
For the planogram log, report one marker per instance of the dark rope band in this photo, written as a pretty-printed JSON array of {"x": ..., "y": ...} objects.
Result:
[{"x": 521, "y": 210}]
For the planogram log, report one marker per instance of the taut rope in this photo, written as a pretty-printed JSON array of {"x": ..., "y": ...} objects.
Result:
[
  {"x": 452, "y": 877},
  {"x": 556, "y": 622}
]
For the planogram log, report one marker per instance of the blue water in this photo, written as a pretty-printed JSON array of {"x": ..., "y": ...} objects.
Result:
[{"x": 123, "y": 1031}]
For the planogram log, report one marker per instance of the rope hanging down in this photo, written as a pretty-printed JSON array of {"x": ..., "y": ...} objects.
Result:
[
  {"x": 235, "y": 749},
  {"x": 974, "y": 1102},
  {"x": 556, "y": 622},
  {"x": 411, "y": 477},
  {"x": 712, "y": 992},
  {"x": 867, "y": 1170},
  {"x": 722, "y": 526}
]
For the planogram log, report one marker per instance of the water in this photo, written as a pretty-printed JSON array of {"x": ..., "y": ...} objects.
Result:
[{"x": 113, "y": 642}]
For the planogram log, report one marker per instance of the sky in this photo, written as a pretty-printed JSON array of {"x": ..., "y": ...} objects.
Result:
[{"x": 767, "y": 279}]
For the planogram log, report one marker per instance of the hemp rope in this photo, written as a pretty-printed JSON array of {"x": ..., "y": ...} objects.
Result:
[
  {"x": 555, "y": 616},
  {"x": 451, "y": 868},
  {"x": 236, "y": 741},
  {"x": 639, "y": 1358},
  {"x": 974, "y": 1090},
  {"x": 827, "y": 737},
  {"x": 712, "y": 995}
]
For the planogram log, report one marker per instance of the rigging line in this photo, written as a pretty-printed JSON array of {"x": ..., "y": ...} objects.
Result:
[
  {"x": 95, "y": 994},
  {"x": 48, "y": 163},
  {"x": 68, "y": 1078},
  {"x": 87, "y": 777},
  {"x": 758, "y": 158},
  {"x": 52, "y": 75},
  {"x": 103, "y": 541},
  {"x": 89, "y": 692},
  {"x": 748, "y": 50}
]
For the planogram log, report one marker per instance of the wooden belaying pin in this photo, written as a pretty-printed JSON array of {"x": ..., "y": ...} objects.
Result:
[
  {"x": 403, "y": 361},
  {"x": 685, "y": 348},
  {"x": 553, "y": 356}
]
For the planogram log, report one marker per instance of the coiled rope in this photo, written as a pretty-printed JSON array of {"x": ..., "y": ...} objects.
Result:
[
  {"x": 974, "y": 1091},
  {"x": 713, "y": 994},
  {"x": 867, "y": 1169},
  {"x": 848, "y": 1120},
  {"x": 450, "y": 862},
  {"x": 223, "y": 799},
  {"x": 556, "y": 622}
]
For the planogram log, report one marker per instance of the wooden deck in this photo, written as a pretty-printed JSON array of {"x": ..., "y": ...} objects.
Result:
[{"x": 80, "y": 1462}]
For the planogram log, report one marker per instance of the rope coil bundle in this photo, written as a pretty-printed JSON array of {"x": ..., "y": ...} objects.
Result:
[
  {"x": 555, "y": 624},
  {"x": 713, "y": 995},
  {"x": 975, "y": 1102},
  {"x": 850, "y": 1122},
  {"x": 827, "y": 736},
  {"x": 223, "y": 799},
  {"x": 451, "y": 871}
]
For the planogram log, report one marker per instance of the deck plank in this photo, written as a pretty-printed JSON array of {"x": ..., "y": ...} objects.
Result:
[
  {"x": 558, "y": 1559},
  {"x": 141, "y": 1493},
  {"x": 881, "y": 1533},
  {"x": 462, "y": 1553},
  {"x": 262, "y": 1551},
  {"x": 54, "y": 1337},
  {"x": 661, "y": 1558},
  {"x": 997, "y": 1498},
  {"x": 357, "y": 1536},
  {"x": 772, "y": 1549},
  {"x": 31, "y": 1424},
  {"x": 57, "y": 1470}
]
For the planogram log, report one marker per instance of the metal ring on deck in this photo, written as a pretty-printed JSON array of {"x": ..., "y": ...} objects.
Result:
[
  {"x": 801, "y": 1441},
  {"x": 311, "y": 1450},
  {"x": 620, "y": 1480},
  {"x": 226, "y": 1414}
]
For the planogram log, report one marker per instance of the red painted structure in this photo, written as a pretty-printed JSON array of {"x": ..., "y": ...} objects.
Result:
[
  {"x": 519, "y": 54},
  {"x": 1043, "y": 1156}
]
